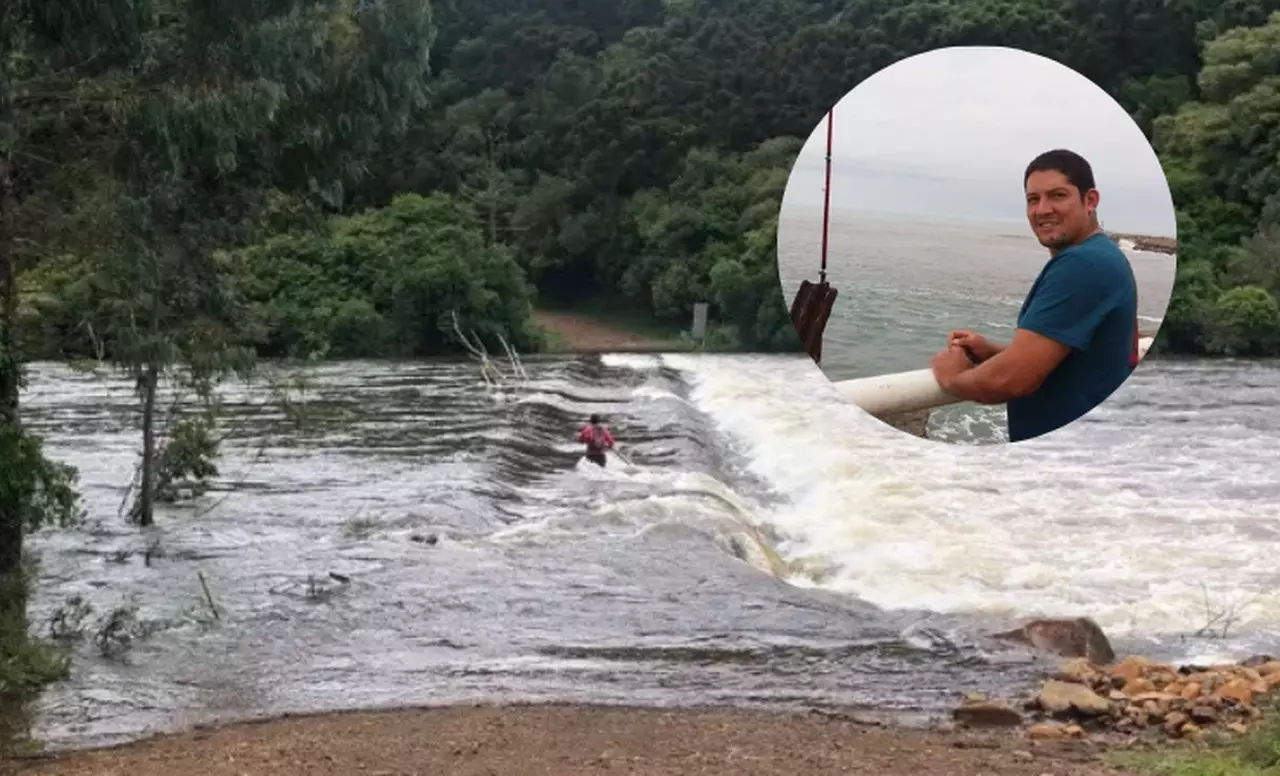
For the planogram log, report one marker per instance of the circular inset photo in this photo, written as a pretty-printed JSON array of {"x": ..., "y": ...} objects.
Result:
[{"x": 977, "y": 244}]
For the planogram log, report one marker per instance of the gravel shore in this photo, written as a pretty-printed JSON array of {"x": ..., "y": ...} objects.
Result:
[{"x": 570, "y": 740}]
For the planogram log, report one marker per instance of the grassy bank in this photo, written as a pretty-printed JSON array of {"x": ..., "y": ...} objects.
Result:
[{"x": 1256, "y": 753}]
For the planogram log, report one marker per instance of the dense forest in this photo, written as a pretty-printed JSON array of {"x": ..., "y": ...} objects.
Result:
[
  {"x": 346, "y": 173},
  {"x": 202, "y": 184}
]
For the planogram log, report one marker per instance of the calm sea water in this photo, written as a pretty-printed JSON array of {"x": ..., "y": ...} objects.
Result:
[{"x": 905, "y": 283}]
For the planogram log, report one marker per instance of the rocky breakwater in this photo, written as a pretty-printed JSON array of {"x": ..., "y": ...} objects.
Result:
[
  {"x": 1147, "y": 243},
  {"x": 1136, "y": 697}
]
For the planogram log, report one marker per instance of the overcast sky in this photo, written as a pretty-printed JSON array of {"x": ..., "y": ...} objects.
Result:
[{"x": 948, "y": 133}]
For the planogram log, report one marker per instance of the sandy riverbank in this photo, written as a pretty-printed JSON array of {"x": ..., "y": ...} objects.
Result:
[
  {"x": 570, "y": 740},
  {"x": 580, "y": 333}
]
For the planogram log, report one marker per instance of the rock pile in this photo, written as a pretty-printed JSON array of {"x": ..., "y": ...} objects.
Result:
[{"x": 1136, "y": 695}]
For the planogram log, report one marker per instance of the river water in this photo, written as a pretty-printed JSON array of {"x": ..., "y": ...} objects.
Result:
[{"x": 652, "y": 582}]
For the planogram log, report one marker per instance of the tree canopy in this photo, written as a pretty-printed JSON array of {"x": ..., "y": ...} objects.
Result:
[{"x": 636, "y": 150}]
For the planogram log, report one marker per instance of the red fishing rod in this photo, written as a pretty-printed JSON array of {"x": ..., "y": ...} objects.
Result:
[
  {"x": 826, "y": 201},
  {"x": 812, "y": 306}
]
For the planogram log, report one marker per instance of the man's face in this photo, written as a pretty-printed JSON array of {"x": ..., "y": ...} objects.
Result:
[{"x": 1058, "y": 215}]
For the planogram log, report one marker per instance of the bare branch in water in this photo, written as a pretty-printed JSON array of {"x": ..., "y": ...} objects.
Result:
[
  {"x": 516, "y": 366},
  {"x": 208, "y": 597},
  {"x": 1220, "y": 620},
  {"x": 491, "y": 375}
]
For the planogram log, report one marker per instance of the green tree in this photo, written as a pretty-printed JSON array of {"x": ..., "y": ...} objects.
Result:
[
  {"x": 597, "y": 145},
  {"x": 710, "y": 236},
  {"x": 1222, "y": 157},
  {"x": 41, "y": 45},
  {"x": 385, "y": 283},
  {"x": 1246, "y": 322},
  {"x": 1258, "y": 260},
  {"x": 226, "y": 105}
]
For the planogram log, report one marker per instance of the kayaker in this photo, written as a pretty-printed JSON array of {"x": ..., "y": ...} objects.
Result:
[{"x": 597, "y": 439}]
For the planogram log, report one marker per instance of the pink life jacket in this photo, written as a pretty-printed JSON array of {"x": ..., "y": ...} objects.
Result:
[{"x": 596, "y": 438}]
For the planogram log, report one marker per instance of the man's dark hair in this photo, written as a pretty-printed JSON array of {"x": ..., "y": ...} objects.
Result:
[{"x": 1072, "y": 165}]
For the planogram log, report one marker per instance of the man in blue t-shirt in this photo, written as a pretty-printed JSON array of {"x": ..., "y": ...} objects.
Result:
[{"x": 1076, "y": 338}]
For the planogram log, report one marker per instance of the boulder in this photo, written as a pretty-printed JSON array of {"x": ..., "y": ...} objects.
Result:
[
  {"x": 1044, "y": 731},
  {"x": 1238, "y": 690},
  {"x": 987, "y": 714},
  {"x": 1131, "y": 668},
  {"x": 1080, "y": 671},
  {"x": 1204, "y": 715},
  {"x": 1077, "y": 637},
  {"x": 1268, "y": 669},
  {"x": 1059, "y": 697}
]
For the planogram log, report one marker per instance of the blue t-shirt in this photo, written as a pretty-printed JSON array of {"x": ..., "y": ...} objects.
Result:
[{"x": 1085, "y": 298}]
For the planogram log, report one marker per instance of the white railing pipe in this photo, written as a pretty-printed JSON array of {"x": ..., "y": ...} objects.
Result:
[{"x": 912, "y": 391}]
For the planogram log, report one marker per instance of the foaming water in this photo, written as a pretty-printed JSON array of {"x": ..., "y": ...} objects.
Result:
[{"x": 1160, "y": 502}]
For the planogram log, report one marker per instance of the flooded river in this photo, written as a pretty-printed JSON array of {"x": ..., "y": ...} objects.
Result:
[{"x": 427, "y": 540}]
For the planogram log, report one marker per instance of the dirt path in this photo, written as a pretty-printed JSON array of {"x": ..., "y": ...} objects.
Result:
[
  {"x": 582, "y": 334},
  {"x": 575, "y": 740}
]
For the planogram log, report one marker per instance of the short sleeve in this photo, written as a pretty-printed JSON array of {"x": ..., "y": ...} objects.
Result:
[{"x": 1070, "y": 302}]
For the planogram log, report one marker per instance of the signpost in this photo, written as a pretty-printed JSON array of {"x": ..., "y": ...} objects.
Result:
[{"x": 699, "y": 321}]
